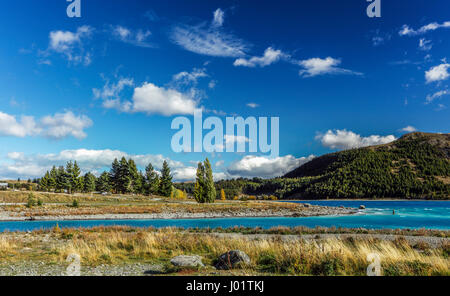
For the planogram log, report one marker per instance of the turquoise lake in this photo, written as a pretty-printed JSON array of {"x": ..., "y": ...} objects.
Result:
[{"x": 378, "y": 215}]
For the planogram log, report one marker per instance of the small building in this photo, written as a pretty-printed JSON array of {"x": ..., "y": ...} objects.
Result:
[{"x": 3, "y": 186}]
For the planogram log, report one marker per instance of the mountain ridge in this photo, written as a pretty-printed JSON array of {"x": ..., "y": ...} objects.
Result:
[{"x": 415, "y": 165}]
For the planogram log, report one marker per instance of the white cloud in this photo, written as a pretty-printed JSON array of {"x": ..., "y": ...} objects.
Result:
[
  {"x": 151, "y": 99},
  {"x": 439, "y": 94},
  {"x": 264, "y": 167},
  {"x": 184, "y": 174},
  {"x": 317, "y": 66},
  {"x": 212, "y": 84},
  {"x": 70, "y": 44},
  {"x": 188, "y": 78},
  {"x": 10, "y": 126},
  {"x": 270, "y": 56},
  {"x": 58, "y": 126},
  {"x": 112, "y": 90},
  {"x": 343, "y": 139},
  {"x": 34, "y": 165},
  {"x": 437, "y": 73},
  {"x": 209, "y": 40},
  {"x": 66, "y": 124},
  {"x": 137, "y": 38},
  {"x": 218, "y": 17},
  {"x": 425, "y": 44},
  {"x": 408, "y": 31},
  {"x": 252, "y": 105},
  {"x": 380, "y": 38},
  {"x": 235, "y": 139},
  {"x": 409, "y": 129}
]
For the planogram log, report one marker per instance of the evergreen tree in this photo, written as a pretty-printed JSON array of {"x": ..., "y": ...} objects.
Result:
[
  {"x": 114, "y": 176},
  {"x": 44, "y": 182},
  {"x": 103, "y": 183},
  {"x": 199, "y": 184},
  {"x": 62, "y": 182},
  {"x": 52, "y": 178},
  {"x": 151, "y": 180},
  {"x": 165, "y": 186},
  {"x": 210, "y": 189},
  {"x": 124, "y": 180},
  {"x": 89, "y": 182},
  {"x": 135, "y": 178},
  {"x": 204, "y": 190},
  {"x": 75, "y": 179},
  {"x": 68, "y": 177}
]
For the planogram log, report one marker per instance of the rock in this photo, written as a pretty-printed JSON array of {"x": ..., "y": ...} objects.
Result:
[
  {"x": 306, "y": 205},
  {"x": 362, "y": 207},
  {"x": 187, "y": 261},
  {"x": 232, "y": 259}
]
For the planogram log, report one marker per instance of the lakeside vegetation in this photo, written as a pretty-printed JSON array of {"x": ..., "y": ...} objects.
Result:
[{"x": 268, "y": 255}]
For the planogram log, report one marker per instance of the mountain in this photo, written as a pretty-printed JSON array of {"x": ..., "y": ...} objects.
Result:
[{"x": 415, "y": 166}]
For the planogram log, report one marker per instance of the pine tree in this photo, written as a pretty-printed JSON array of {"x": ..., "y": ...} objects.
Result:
[
  {"x": 165, "y": 186},
  {"x": 114, "y": 176},
  {"x": 62, "y": 182},
  {"x": 151, "y": 180},
  {"x": 103, "y": 183},
  {"x": 75, "y": 179},
  {"x": 135, "y": 177},
  {"x": 204, "y": 190},
  {"x": 89, "y": 182},
  {"x": 210, "y": 189},
  {"x": 44, "y": 182},
  {"x": 52, "y": 179},
  {"x": 199, "y": 184},
  {"x": 68, "y": 177},
  {"x": 124, "y": 180}
]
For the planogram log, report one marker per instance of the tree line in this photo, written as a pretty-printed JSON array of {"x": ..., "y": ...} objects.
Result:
[{"x": 123, "y": 178}]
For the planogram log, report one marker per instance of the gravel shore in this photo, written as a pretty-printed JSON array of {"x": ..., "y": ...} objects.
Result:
[{"x": 307, "y": 211}]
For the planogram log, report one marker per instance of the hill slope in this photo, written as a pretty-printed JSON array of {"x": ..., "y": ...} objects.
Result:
[{"x": 416, "y": 165}]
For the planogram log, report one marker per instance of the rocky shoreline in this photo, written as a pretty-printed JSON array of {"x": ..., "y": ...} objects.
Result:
[{"x": 307, "y": 211}]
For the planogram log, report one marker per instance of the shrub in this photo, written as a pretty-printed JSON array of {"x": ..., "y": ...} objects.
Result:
[
  {"x": 31, "y": 201},
  {"x": 75, "y": 203},
  {"x": 40, "y": 202}
]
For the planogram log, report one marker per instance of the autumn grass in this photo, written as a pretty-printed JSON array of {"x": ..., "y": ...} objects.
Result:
[
  {"x": 269, "y": 255},
  {"x": 61, "y": 205}
]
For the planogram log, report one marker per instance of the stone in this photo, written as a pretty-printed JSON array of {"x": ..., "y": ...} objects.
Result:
[
  {"x": 187, "y": 261},
  {"x": 232, "y": 259},
  {"x": 362, "y": 207}
]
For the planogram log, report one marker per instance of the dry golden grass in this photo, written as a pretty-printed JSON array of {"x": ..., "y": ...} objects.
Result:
[
  {"x": 269, "y": 255},
  {"x": 59, "y": 205},
  {"x": 331, "y": 256}
]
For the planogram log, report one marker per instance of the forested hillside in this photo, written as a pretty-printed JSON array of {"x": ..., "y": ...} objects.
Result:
[{"x": 415, "y": 166}]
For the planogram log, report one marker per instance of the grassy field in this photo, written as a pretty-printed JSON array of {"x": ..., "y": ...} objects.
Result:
[
  {"x": 62, "y": 205},
  {"x": 269, "y": 255}
]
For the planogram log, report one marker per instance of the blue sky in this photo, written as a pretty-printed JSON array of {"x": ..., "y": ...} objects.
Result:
[{"x": 110, "y": 83}]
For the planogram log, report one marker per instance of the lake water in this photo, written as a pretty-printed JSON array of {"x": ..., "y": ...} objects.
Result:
[{"x": 378, "y": 215}]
